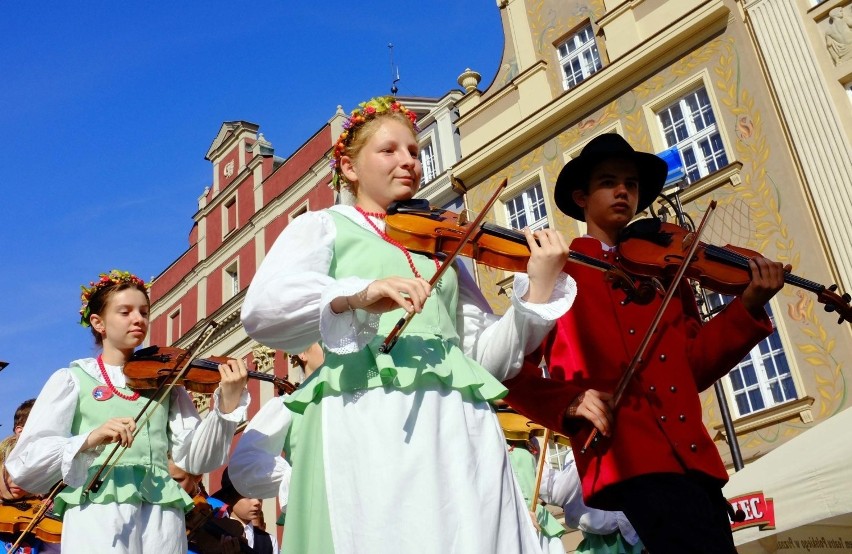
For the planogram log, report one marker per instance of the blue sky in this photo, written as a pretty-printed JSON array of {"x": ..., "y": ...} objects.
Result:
[{"x": 106, "y": 113}]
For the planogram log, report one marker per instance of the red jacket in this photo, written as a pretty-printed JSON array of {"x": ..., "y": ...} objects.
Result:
[{"x": 658, "y": 424}]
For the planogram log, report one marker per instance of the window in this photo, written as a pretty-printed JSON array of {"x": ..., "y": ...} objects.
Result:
[
  {"x": 427, "y": 159},
  {"x": 232, "y": 281},
  {"x": 579, "y": 57},
  {"x": 849, "y": 91},
  {"x": 173, "y": 331},
  {"x": 690, "y": 125},
  {"x": 762, "y": 379},
  {"x": 527, "y": 209},
  {"x": 230, "y": 215}
]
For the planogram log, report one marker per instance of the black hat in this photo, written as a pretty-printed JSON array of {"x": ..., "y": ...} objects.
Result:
[{"x": 575, "y": 175}]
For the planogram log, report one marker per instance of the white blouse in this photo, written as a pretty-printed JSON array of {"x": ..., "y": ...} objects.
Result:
[
  {"x": 288, "y": 303},
  {"x": 47, "y": 452},
  {"x": 563, "y": 488}
]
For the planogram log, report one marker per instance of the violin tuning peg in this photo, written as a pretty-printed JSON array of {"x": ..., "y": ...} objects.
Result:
[
  {"x": 846, "y": 297},
  {"x": 833, "y": 287},
  {"x": 840, "y": 320},
  {"x": 830, "y": 307}
]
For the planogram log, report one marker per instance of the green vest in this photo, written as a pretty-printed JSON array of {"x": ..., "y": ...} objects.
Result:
[
  {"x": 426, "y": 352},
  {"x": 141, "y": 474}
]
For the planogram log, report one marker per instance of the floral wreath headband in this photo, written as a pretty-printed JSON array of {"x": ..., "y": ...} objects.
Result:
[
  {"x": 367, "y": 111},
  {"x": 114, "y": 277}
]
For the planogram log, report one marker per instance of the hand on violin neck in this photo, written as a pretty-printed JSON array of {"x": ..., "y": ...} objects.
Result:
[
  {"x": 767, "y": 278},
  {"x": 117, "y": 429},
  {"x": 548, "y": 255},
  {"x": 384, "y": 295},
  {"x": 234, "y": 376}
]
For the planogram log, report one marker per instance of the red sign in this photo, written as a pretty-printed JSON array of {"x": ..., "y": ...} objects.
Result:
[{"x": 758, "y": 510}]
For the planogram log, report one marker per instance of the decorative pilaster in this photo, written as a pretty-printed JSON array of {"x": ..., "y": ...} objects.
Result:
[{"x": 814, "y": 124}]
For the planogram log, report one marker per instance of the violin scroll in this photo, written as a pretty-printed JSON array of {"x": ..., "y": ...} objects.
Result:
[{"x": 834, "y": 302}]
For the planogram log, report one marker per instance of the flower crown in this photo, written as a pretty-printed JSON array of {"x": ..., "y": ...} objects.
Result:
[
  {"x": 368, "y": 110},
  {"x": 114, "y": 277}
]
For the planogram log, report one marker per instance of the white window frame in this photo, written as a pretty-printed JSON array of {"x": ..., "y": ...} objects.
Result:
[
  {"x": 581, "y": 47},
  {"x": 431, "y": 167},
  {"x": 232, "y": 201},
  {"x": 761, "y": 358},
  {"x": 231, "y": 281},
  {"x": 529, "y": 201},
  {"x": 695, "y": 139},
  {"x": 173, "y": 315}
]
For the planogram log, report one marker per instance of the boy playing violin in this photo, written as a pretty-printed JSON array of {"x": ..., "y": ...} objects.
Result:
[{"x": 656, "y": 462}]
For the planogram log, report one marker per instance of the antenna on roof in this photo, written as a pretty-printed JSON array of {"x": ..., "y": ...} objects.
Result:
[{"x": 394, "y": 71}]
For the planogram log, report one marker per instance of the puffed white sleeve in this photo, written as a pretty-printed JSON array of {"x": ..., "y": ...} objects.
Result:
[
  {"x": 46, "y": 451},
  {"x": 201, "y": 445},
  {"x": 567, "y": 489},
  {"x": 257, "y": 469},
  {"x": 499, "y": 344},
  {"x": 287, "y": 305}
]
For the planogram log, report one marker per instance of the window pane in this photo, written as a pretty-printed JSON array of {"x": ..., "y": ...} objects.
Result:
[
  {"x": 775, "y": 389},
  {"x": 742, "y": 404},
  {"x": 749, "y": 375},
  {"x": 736, "y": 380},
  {"x": 789, "y": 388},
  {"x": 756, "y": 399}
]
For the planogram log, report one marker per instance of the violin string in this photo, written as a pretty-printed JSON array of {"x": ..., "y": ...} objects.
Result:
[{"x": 726, "y": 254}]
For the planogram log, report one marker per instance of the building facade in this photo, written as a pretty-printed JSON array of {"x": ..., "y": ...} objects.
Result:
[{"x": 754, "y": 97}]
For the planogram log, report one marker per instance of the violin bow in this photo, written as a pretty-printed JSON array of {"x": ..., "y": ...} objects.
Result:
[
  {"x": 392, "y": 337},
  {"x": 157, "y": 398},
  {"x": 542, "y": 454},
  {"x": 46, "y": 502},
  {"x": 637, "y": 358}
]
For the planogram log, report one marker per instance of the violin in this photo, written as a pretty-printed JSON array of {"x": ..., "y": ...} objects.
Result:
[
  {"x": 436, "y": 233},
  {"x": 659, "y": 248},
  {"x": 149, "y": 367},
  {"x": 517, "y": 427},
  {"x": 17, "y": 516}
]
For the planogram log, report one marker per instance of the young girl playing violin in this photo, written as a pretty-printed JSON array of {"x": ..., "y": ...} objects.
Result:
[
  {"x": 398, "y": 451},
  {"x": 85, "y": 407}
]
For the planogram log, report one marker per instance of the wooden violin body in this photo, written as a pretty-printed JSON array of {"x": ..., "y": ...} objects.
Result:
[
  {"x": 149, "y": 367},
  {"x": 17, "y": 515},
  {"x": 724, "y": 269},
  {"x": 436, "y": 232}
]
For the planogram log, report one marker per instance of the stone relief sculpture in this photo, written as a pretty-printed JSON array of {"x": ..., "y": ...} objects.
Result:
[{"x": 838, "y": 35}]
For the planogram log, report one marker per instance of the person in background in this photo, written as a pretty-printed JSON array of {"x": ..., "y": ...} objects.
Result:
[
  {"x": 246, "y": 510},
  {"x": 21, "y": 415},
  {"x": 603, "y": 532}
]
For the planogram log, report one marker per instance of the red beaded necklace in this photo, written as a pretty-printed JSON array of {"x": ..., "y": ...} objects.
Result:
[
  {"x": 108, "y": 381},
  {"x": 379, "y": 215}
]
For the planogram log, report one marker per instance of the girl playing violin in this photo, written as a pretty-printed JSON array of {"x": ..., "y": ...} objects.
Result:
[
  {"x": 86, "y": 406},
  {"x": 398, "y": 451}
]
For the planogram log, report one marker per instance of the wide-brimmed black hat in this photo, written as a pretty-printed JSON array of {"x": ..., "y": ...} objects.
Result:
[{"x": 575, "y": 175}]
